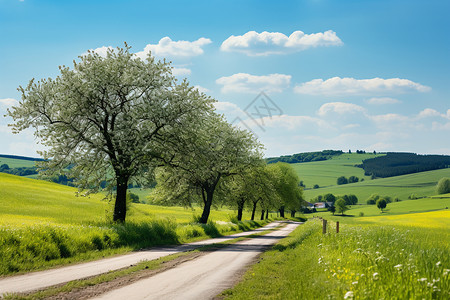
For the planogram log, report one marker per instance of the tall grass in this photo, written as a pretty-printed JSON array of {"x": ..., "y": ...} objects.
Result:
[
  {"x": 40, "y": 246},
  {"x": 361, "y": 262}
]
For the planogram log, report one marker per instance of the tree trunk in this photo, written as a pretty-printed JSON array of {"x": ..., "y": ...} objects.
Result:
[
  {"x": 292, "y": 213},
  {"x": 207, "y": 207},
  {"x": 120, "y": 207},
  {"x": 267, "y": 214},
  {"x": 253, "y": 211},
  {"x": 282, "y": 212},
  {"x": 240, "y": 209},
  {"x": 262, "y": 214}
]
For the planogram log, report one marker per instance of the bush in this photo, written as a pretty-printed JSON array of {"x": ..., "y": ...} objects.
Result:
[
  {"x": 342, "y": 180},
  {"x": 133, "y": 197},
  {"x": 361, "y": 214},
  {"x": 443, "y": 186},
  {"x": 373, "y": 199},
  {"x": 353, "y": 179},
  {"x": 316, "y": 186}
]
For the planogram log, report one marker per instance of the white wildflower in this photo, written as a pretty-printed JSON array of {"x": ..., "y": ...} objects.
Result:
[
  {"x": 375, "y": 276},
  {"x": 348, "y": 295},
  {"x": 438, "y": 264},
  {"x": 422, "y": 279}
]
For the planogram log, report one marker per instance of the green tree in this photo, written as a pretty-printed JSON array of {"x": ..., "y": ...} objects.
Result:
[
  {"x": 286, "y": 184},
  {"x": 332, "y": 209},
  {"x": 253, "y": 186},
  {"x": 341, "y": 206},
  {"x": 372, "y": 200},
  {"x": 215, "y": 150},
  {"x": 443, "y": 186},
  {"x": 329, "y": 198},
  {"x": 109, "y": 118},
  {"x": 381, "y": 204},
  {"x": 342, "y": 180},
  {"x": 353, "y": 179},
  {"x": 133, "y": 197}
]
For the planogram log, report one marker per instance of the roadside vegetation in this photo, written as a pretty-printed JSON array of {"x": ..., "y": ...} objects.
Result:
[{"x": 383, "y": 260}]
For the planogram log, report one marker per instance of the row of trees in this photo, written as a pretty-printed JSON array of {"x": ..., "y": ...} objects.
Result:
[
  {"x": 267, "y": 187},
  {"x": 21, "y": 171},
  {"x": 344, "y": 180},
  {"x": 116, "y": 119},
  {"x": 394, "y": 164},
  {"x": 305, "y": 157},
  {"x": 329, "y": 197}
]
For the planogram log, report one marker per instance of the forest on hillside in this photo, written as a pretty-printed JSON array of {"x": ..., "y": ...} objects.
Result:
[
  {"x": 305, "y": 157},
  {"x": 395, "y": 164}
]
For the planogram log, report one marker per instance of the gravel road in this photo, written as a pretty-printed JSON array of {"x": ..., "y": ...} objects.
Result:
[
  {"x": 204, "y": 277},
  {"x": 43, "y": 279}
]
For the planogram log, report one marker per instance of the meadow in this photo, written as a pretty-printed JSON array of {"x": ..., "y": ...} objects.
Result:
[
  {"x": 43, "y": 224},
  {"x": 389, "y": 258},
  {"x": 421, "y": 184},
  {"x": 325, "y": 173}
]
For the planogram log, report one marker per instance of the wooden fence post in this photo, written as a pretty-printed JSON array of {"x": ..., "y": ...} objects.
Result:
[
  {"x": 337, "y": 227},
  {"x": 324, "y": 226}
]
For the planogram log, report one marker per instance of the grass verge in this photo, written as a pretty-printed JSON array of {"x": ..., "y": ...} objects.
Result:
[{"x": 361, "y": 262}]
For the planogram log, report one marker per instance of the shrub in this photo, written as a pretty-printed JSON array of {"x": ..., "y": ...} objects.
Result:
[
  {"x": 342, "y": 180},
  {"x": 361, "y": 214},
  {"x": 443, "y": 186},
  {"x": 353, "y": 179},
  {"x": 373, "y": 199},
  {"x": 316, "y": 186},
  {"x": 133, "y": 197}
]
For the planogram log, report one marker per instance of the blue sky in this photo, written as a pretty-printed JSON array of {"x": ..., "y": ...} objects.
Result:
[{"x": 370, "y": 75}]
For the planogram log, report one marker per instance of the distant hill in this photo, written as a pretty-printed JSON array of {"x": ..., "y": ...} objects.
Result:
[
  {"x": 305, "y": 157},
  {"x": 421, "y": 184},
  {"x": 395, "y": 164},
  {"x": 21, "y": 157}
]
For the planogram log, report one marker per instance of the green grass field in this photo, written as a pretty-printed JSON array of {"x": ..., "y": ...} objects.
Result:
[
  {"x": 43, "y": 224},
  {"x": 421, "y": 184},
  {"x": 17, "y": 163},
  {"x": 325, "y": 173},
  {"x": 384, "y": 259}
]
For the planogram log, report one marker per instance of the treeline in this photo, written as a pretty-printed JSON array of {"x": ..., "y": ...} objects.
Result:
[
  {"x": 395, "y": 164},
  {"x": 305, "y": 157},
  {"x": 22, "y": 171}
]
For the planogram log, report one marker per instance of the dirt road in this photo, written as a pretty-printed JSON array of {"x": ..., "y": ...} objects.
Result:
[
  {"x": 39, "y": 280},
  {"x": 204, "y": 277}
]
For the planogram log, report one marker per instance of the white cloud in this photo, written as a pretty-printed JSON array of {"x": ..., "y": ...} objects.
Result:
[
  {"x": 180, "y": 71},
  {"x": 340, "y": 108},
  {"x": 429, "y": 112},
  {"x": 246, "y": 83},
  {"x": 8, "y": 102},
  {"x": 337, "y": 86},
  {"x": 382, "y": 100},
  {"x": 389, "y": 118},
  {"x": 168, "y": 48},
  {"x": 202, "y": 89},
  {"x": 253, "y": 43}
]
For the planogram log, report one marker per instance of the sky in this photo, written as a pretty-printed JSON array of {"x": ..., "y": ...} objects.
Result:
[{"x": 303, "y": 76}]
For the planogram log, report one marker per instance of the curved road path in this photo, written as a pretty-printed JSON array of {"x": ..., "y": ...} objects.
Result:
[
  {"x": 204, "y": 277},
  {"x": 43, "y": 279}
]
